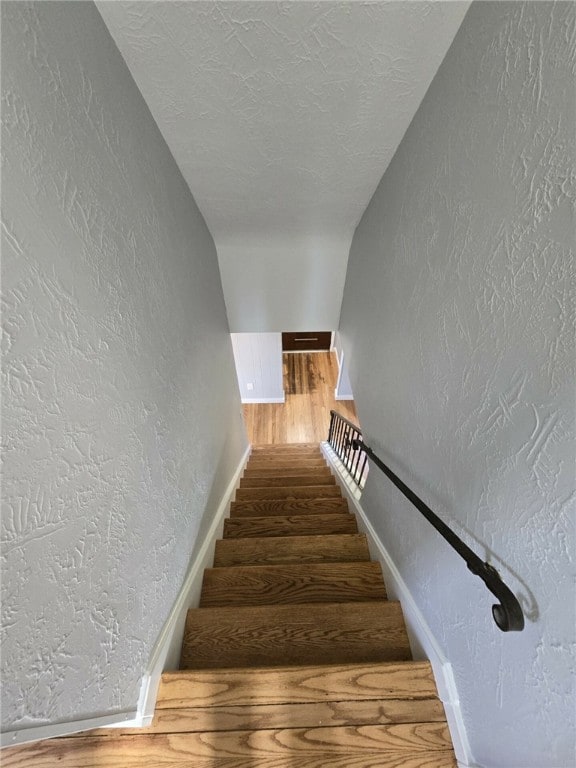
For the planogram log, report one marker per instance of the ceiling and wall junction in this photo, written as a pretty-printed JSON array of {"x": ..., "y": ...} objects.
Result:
[{"x": 282, "y": 117}]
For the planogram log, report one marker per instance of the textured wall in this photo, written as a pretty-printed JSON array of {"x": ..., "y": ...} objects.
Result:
[
  {"x": 258, "y": 358},
  {"x": 283, "y": 117},
  {"x": 120, "y": 404},
  {"x": 458, "y": 327}
]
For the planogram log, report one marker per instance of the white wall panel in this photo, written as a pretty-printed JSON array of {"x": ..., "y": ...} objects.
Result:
[{"x": 258, "y": 358}]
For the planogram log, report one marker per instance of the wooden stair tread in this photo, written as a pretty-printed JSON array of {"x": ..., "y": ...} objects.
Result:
[
  {"x": 288, "y": 492},
  {"x": 286, "y": 480},
  {"x": 285, "y": 448},
  {"x": 267, "y": 716},
  {"x": 280, "y": 465},
  {"x": 294, "y": 634},
  {"x": 251, "y": 686},
  {"x": 267, "y": 507},
  {"x": 298, "y": 456},
  {"x": 289, "y": 584},
  {"x": 291, "y": 549},
  {"x": 410, "y": 745},
  {"x": 303, "y": 471},
  {"x": 289, "y": 525}
]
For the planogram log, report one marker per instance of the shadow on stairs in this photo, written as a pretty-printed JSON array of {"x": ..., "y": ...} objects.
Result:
[{"x": 295, "y": 657}]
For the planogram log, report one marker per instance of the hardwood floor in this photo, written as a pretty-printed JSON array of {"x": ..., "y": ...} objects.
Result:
[{"x": 309, "y": 383}]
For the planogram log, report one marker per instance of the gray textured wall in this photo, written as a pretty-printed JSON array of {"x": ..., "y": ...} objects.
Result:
[
  {"x": 121, "y": 413},
  {"x": 458, "y": 327}
]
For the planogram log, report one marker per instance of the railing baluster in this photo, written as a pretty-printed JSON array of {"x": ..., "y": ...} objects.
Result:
[
  {"x": 356, "y": 461},
  {"x": 362, "y": 475},
  {"x": 331, "y": 430},
  {"x": 341, "y": 437},
  {"x": 350, "y": 454}
]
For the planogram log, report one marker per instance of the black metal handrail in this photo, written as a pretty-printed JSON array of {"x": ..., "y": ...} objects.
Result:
[
  {"x": 508, "y": 613},
  {"x": 341, "y": 437}
]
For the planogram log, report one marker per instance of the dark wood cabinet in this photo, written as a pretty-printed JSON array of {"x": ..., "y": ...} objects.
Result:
[{"x": 303, "y": 341}]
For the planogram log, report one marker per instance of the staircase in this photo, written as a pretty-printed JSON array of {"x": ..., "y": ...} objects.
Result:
[{"x": 295, "y": 657}]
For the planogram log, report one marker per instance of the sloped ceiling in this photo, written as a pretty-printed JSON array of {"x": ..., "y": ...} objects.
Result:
[{"x": 282, "y": 117}]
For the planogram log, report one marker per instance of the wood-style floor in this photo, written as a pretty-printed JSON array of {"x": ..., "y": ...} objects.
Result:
[{"x": 309, "y": 382}]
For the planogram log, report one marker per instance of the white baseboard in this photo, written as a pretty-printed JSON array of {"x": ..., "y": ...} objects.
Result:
[
  {"x": 167, "y": 645},
  {"x": 264, "y": 399},
  {"x": 166, "y": 652},
  {"x": 423, "y": 643},
  {"x": 51, "y": 731}
]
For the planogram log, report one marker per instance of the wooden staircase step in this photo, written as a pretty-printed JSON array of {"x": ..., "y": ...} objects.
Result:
[
  {"x": 270, "y": 507},
  {"x": 282, "y": 448},
  {"x": 293, "y": 460},
  {"x": 248, "y": 717},
  {"x": 404, "y": 745},
  {"x": 303, "y": 471},
  {"x": 297, "y": 492},
  {"x": 290, "y": 584},
  {"x": 286, "y": 480},
  {"x": 291, "y": 549},
  {"x": 289, "y": 525},
  {"x": 251, "y": 686},
  {"x": 244, "y": 636}
]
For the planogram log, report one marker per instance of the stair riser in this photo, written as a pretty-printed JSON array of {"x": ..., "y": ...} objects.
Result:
[
  {"x": 298, "y": 492},
  {"x": 296, "y": 456},
  {"x": 301, "y": 584},
  {"x": 284, "y": 481},
  {"x": 285, "y": 448},
  {"x": 297, "y": 525},
  {"x": 288, "y": 472},
  {"x": 291, "y": 549},
  {"x": 281, "y": 466},
  {"x": 287, "y": 507},
  {"x": 306, "y": 684},
  {"x": 294, "y": 634}
]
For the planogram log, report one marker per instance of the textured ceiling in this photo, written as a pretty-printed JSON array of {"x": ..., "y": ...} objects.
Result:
[{"x": 282, "y": 116}]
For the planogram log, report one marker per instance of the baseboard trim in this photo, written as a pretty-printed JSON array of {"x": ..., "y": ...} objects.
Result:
[
  {"x": 342, "y": 397},
  {"x": 168, "y": 642},
  {"x": 422, "y": 640},
  {"x": 170, "y": 638},
  {"x": 254, "y": 400},
  {"x": 53, "y": 730}
]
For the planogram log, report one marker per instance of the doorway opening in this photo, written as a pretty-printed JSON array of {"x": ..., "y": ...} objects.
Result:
[{"x": 292, "y": 392}]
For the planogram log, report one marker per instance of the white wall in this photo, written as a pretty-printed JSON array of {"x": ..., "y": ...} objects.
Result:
[
  {"x": 121, "y": 414},
  {"x": 343, "y": 389},
  {"x": 258, "y": 358},
  {"x": 459, "y": 335},
  {"x": 283, "y": 283}
]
